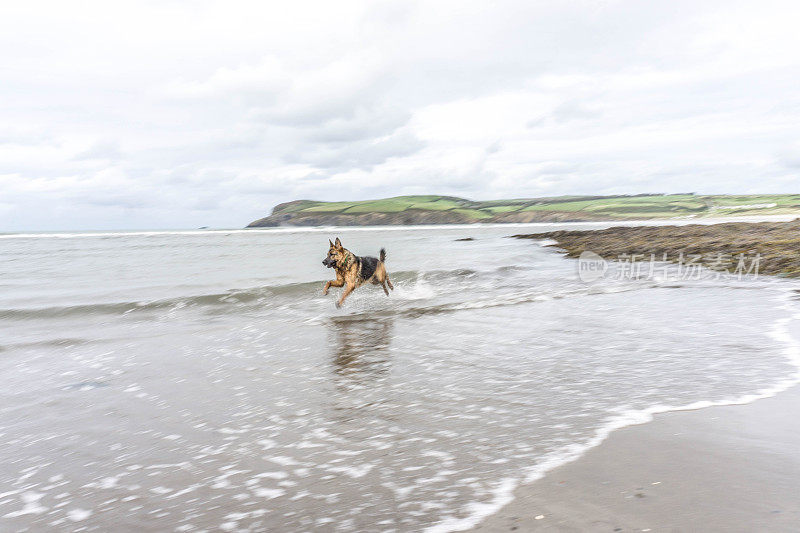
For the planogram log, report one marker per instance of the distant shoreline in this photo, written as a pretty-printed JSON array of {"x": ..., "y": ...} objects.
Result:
[
  {"x": 398, "y": 227},
  {"x": 447, "y": 210}
]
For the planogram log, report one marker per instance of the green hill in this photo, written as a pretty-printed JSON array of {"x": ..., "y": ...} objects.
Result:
[{"x": 433, "y": 209}]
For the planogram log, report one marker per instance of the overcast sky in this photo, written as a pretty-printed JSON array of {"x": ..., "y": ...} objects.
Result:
[{"x": 172, "y": 114}]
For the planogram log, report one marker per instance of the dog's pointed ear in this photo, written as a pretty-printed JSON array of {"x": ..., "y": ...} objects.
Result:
[
  {"x": 330, "y": 241},
  {"x": 338, "y": 243}
]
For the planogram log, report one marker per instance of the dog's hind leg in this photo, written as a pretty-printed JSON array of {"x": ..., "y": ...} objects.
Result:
[{"x": 383, "y": 278}]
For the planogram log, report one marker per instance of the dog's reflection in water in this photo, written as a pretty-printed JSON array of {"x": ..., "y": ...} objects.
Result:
[
  {"x": 360, "y": 350},
  {"x": 360, "y": 363}
]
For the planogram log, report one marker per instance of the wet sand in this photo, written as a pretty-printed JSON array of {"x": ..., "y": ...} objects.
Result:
[{"x": 728, "y": 468}]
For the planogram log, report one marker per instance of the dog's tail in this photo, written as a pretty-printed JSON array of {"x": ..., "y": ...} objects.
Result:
[{"x": 382, "y": 255}]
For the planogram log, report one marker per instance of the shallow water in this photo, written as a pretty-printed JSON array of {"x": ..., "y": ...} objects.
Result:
[{"x": 199, "y": 380}]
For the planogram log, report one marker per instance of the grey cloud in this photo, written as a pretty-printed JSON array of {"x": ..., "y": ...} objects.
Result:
[
  {"x": 555, "y": 168},
  {"x": 361, "y": 154},
  {"x": 315, "y": 177},
  {"x": 566, "y": 111},
  {"x": 101, "y": 150},
  {"x": 550, "y": 98},
  {"x": 366, "y": 124},
  {"x": 322, "y": 102},
  {"x": 790, "y": 158},
  {"x": 536, "y": 122},
  {"x": 494, "y": 147},
  {"x": 573, "y": 110},
  {"x": 10, "y": 135}
]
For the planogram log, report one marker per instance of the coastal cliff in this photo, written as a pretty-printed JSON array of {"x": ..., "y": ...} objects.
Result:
[
  {"x": 412, "y": 217},
  {"x": 433, "y": 209}
]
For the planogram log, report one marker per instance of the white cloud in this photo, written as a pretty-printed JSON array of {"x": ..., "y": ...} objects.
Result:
[{"x": 182, "y": 114}]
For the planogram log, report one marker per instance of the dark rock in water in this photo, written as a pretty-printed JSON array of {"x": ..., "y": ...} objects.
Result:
[
  {"x": 466, "y": 239},
  {"x": 773, "y": 246}
]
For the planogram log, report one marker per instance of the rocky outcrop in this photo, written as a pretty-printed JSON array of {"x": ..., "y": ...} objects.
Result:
[{"x": 775, "y": 246}]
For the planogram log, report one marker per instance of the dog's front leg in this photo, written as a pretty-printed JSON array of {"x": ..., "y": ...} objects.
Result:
[
  {"x": 333, "y": 283},
  {"x": 350, "y": 288}
]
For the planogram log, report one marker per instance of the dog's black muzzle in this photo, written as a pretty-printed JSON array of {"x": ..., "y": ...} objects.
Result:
[{"x": 328, "y": 262}]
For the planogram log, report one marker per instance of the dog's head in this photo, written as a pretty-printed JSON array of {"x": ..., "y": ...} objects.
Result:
[{"x": 336, "y": 254}]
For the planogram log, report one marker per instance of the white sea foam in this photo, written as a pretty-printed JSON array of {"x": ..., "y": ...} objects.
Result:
[
  {"x": 502, "y": 495},
  {"x": 504, "y": 492},
  {"x": 31, "y": 507},
  {"x": 268, "y": 493},
  {"x": 77, "y": 515},
  {"x": 420, "y": 290},
  {"x": 354, "y": 472}
]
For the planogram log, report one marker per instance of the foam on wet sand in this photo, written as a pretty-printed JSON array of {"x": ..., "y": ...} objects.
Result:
[{"x": 724, "y": 468}]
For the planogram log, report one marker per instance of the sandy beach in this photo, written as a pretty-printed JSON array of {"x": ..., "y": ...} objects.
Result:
[{"x": 725, "y": 468}]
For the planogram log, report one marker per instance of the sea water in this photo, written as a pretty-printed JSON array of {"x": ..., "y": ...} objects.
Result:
[{"x": 188, "y": 381}]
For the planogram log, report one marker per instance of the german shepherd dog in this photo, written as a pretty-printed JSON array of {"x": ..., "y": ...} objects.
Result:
[{"x": 354, "y": 270}]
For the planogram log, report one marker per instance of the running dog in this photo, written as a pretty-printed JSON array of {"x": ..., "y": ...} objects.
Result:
[{"x": 354, "y": 271}]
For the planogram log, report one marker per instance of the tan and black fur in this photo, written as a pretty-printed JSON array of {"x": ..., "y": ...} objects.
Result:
[{"x": 354, "y": 271}]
